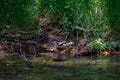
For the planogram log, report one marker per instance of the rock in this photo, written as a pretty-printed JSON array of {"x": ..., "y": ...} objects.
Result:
[{"x": 100, "y": 70}]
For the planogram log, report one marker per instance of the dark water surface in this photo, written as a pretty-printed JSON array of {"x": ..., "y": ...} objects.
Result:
[{"x": 73, "y": 69}]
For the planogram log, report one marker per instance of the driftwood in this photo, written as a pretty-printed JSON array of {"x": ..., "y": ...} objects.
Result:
[
  {"x": 19, "y": 42},
  {"x": 16, "y": 36},
  {"x": 23, "y": 32},
  {"x": 81, "y": 29}
]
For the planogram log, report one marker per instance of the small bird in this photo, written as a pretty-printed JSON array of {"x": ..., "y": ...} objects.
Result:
[{"x": 61, "y": 43}]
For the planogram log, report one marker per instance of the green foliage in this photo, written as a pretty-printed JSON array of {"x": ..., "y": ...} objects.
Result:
[
  {"x": 87, "y": 14},
  {"x": 98, "y": 44},
  {"x": 22, "y": 13},
  {"x": 113, "y": 15},
  {"x": 113, "y": 9},
  {"x": 3, "y": 12},
  {"x": 112, "y": 44},
  {"x": 66, "y": 11}
]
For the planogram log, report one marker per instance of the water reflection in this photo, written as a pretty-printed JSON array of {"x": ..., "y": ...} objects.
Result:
[{"x": 75, "y": 69}]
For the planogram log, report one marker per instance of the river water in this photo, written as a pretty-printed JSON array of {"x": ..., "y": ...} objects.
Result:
[{"x": 41, "y": 68}]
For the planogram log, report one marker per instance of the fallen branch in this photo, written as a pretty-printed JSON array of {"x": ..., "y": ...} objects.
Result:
[{"x": 81, "y": 29}]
